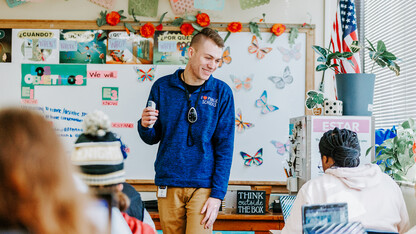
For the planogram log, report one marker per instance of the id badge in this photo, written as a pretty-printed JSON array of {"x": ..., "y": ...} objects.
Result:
[{"x": 161, "y": 192}]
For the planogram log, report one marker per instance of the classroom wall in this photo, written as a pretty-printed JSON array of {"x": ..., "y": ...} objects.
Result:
[{"x": 277, "y": 11}]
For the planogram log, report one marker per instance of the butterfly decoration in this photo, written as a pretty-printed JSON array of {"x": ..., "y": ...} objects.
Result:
[
  {"x": 262, "y": 103},
  {"x": 254, "y": 48},
  {"x": 242, "y": 84},
  {"x": 250, "y": 160},
  {"x": 143, "y": 76},
  {"x": 226, "y": 58},
  {"x": 240, "y": 124},
  {"x": 281, "y": 81},
  {"x": 292, "y": 53},
  {"x": 282, "y": 148}
]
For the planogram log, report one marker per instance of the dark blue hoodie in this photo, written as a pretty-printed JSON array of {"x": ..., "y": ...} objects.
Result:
[{"x": 207, "y": 163}]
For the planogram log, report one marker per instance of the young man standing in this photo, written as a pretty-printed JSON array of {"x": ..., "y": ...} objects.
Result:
[{"x": 194, "y": 122}]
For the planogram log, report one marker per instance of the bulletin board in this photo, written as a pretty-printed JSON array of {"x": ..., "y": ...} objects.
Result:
[{"x": 269, "y": 89}]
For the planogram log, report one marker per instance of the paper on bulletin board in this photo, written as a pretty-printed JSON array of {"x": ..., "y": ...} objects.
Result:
[
  {"x": 5, "y": 45},
  {"x": 320, "y": 124},
  {"x": 35, "y": 46},
  {"x": 82, "y": 46},
  {"x": 123, "y": 48}
]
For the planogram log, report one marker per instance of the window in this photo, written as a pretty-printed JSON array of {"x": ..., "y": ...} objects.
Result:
[{"x": 394, "y": 23}]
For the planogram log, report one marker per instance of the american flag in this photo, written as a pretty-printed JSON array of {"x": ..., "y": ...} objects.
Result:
[{"x": 344, "y": 32}]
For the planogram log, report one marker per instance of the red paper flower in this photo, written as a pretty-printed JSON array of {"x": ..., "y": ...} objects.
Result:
[
  {"x": 159, "y": 27},
  {"x": 187, "y": 29},
  {"x": 147, "y": 30},
  {"x": 414, "y": 147},
  {"x": 202, "y": 19},
  {"x": 113, "y": 18},
  {"x": 278, "y": 29},
  {"x": 234, "y": 27}
]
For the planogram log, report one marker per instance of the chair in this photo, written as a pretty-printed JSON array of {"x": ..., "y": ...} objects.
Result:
[{"x": 286, "y": 202}]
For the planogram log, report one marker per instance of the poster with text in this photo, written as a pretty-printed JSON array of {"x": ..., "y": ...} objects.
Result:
[
  {"x": 123, "y": 48},
  {"x": 5, "y": 45},
  {"x": 50, "y": 75},
  {"x": 82, "y": 46},
  {"x": 171, "y": 47},
  {"x": 35, "y": 45}
]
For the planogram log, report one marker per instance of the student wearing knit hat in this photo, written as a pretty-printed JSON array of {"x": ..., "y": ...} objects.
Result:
[{"x": 100, "y": 155}]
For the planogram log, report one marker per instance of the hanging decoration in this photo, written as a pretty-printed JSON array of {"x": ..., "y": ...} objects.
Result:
[
  {"x": 233, "y": 27},
  {"x": 247, "y": 4},
  {"x": 143, "y": 7},
  {"x": 187, "y": 29},
  {"x": 294, "y": 31},
  {"x": 277, "y": 30},
  {"x": 180, "y": 7},
  {"x": 240, "y": 125},
  {"x": 147, "y": 30},
  {"x": 160, "y": 26},
  {"x": 226, "y": 58},
  {"x": 203, "y": 19},
  {"x": 112, "y": 18},
  {"x": 216, "y": 5},
  {"x": 108, "y": 4}
]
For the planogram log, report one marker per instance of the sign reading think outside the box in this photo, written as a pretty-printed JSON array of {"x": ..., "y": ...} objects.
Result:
[{"x": 251, "y": 202}]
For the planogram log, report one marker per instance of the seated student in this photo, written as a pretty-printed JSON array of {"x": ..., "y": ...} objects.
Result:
[
  {"x": 136, "y": 208},
  {"x": 100, "y": 155},
  {"x": 373, "y": 198},
  {"x": 38, "y": 192}
]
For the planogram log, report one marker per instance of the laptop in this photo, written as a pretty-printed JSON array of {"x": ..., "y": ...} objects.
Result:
[{"x": 318, "y": 215}]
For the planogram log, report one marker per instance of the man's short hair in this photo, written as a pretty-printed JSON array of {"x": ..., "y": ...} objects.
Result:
[{"x": 208, "y": 33}]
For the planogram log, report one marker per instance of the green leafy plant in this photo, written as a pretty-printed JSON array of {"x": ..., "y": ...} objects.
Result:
[
  {"x": 396, "y": 156},
  {"x": 379, "y": 55},
  {"x": 326, "y": 60}
]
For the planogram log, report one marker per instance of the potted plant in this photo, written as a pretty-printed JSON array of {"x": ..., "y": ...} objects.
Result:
[
  {"x": 396, "y": 156},
  {"x": 356, "y": 90}
]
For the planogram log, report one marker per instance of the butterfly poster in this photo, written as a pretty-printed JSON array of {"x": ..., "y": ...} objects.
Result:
[
  {"x": 240, "y": 124},
  {"x": 145, "y": 74},
  {"x": 262, "y": 103},
  {"x": 242, "y": 84},
  {"x": 249, "y": 160},
  {"x": 281, "y": 81},
  {"x": 226, "y": 58},
  {"x": 282, "y": 148},
  {"x": 254, "y": 48},
  {"x": 290, "y": 53}
]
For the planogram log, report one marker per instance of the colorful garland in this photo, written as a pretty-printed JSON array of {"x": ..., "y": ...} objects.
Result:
[{"x": 188, "y": 25}]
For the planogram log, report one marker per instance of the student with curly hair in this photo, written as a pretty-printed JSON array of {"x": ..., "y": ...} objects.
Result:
[{"x": 373, "y": 198}]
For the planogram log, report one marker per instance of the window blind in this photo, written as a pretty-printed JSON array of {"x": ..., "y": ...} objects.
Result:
[{"x": 393, "y": 23}]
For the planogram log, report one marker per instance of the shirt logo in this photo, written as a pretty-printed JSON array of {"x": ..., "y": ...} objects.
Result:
[{"x": 209, "y": 101}]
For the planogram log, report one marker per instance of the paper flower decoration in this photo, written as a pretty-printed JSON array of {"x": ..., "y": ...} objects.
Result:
[
  {"x": 187, "y": 29},
  {"x": 147, "y": 30},
  {"x": 233, "y": 27},
  {"x": 159, "y": 27},
  {"x": 113, "y": 18},
  {"x": 277, "y": 30},
  {"x": 202, "y": 19}
]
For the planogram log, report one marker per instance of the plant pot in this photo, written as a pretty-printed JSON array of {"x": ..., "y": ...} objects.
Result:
[
  {"x": 356, "y": 91},
  {"x": 317, "y": 111}
]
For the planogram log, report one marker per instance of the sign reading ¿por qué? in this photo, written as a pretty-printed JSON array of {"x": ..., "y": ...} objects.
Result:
[{"x": 251, "y": 202}]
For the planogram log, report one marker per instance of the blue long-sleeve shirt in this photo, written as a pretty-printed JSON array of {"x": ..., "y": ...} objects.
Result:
[{"x": 207, "y": 163}]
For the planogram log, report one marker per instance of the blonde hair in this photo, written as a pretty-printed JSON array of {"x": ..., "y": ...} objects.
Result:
[{"x": 38, "y": 191}]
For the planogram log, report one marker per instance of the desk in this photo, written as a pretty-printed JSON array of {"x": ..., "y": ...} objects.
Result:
[{"x": 261, "y": 224}]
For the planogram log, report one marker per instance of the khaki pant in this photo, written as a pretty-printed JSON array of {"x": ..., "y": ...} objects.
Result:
[{"x": 180, "y": 210}]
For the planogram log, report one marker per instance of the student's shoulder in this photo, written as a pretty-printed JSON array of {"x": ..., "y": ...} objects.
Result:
[{"x": 164, "y": 80}]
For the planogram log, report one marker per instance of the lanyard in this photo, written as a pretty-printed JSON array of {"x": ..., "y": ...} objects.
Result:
[{"x": 192, "y": 115}]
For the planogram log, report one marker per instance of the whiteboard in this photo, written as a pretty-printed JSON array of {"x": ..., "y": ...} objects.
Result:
[{"x": 64, "y": 105}]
